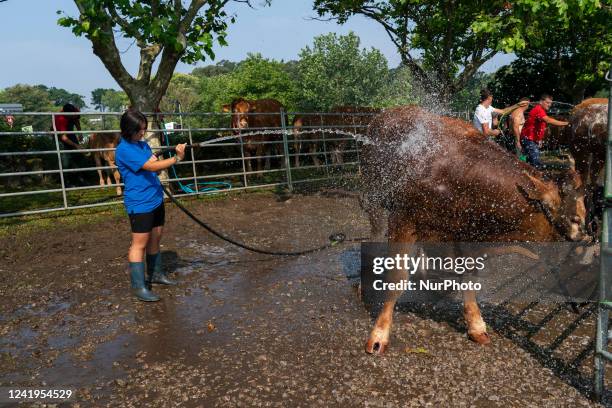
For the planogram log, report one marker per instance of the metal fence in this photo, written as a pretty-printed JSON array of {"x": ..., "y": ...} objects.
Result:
[
  {"x": 39, "y": 174},
  {"x": 602, "y": 353}
]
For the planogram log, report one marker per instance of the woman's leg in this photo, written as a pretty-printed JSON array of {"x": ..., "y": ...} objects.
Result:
[
  {"x": 139, "y": 244},
  {"x": 155, "y": 271},
  {"x": 136, "y": 257},
  {"x": 154, "y": 240}
]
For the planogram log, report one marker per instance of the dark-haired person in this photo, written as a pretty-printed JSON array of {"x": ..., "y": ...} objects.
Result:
[
  {"x": 144, "y": 202},
  {"x": 483, "y": 115},
  {"x": 69, "y": 141},
  {"x": 516, "y": 122},
  {"x": 533, "y": 131}
]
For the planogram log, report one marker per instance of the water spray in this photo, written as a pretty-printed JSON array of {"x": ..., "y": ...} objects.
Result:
[
  {"x": 356, "y": 136},
  {"x": 334, "y": 239}
]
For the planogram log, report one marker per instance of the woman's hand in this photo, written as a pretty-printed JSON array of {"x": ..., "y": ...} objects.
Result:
[
  {"x": 180, "y": 150},
  {"x": 156, "y": 164}
]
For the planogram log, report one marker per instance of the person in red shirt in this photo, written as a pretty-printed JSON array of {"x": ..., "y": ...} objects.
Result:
[
  {"x": 532, "y": 133},
  {"x": 70, "y": 141}
]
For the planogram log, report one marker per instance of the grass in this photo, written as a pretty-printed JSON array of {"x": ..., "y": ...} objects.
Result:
[{"x": 30, "y": 224}]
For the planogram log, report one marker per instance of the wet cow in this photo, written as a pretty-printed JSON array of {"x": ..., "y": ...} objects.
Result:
[
  {"x": 347, "y": 119},
  {"x": 440, "y": 180},
  {"x": 106, "y": 141},
  {"x": 260, "y": 113},
  {"x": 587, "y": 140}
]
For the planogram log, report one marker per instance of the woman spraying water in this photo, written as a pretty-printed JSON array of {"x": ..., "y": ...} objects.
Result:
[{"x": 144, "y": 202}]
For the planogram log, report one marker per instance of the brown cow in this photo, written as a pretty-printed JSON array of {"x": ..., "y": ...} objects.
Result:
[
  {"x": 441, "y": 180},
  {"x": 106, "y": 141},
  {"x": 307, "y": 123},
  {"x": 248, "y": 114},
  {"x": 347, "y": 119},
  {"x": 588, "y": 136}
]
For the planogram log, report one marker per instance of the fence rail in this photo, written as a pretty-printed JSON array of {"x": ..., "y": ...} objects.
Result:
[{"x": 45, "y": 176}]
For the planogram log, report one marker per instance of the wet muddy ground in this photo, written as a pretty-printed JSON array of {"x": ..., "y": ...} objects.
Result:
[{"x": 244, "y": 329}]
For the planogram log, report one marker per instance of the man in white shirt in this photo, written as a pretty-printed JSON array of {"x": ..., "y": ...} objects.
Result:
[{"x": 483, "y": 116}]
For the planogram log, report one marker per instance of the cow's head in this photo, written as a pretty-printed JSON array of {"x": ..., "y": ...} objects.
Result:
[
  {"x": 240, "y": 113},
  {"x": 562, "y": 202},
  {"x": 573, "y": 210}
]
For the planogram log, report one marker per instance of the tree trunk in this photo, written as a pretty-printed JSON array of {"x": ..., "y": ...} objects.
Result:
[{"x": 142, "y": 102}]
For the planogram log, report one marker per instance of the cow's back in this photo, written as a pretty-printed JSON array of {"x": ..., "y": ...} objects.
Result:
[
  {"x": 443, "y": 173},
  {"x": 104, "y": 141},
  {"x": 589, "y": 121},
  {"x": 354, "y": 115},
  {"x": 259, "y": 108}
]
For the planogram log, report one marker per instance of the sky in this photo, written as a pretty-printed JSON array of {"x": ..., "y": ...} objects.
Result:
[{"x": 35, "y": 50}]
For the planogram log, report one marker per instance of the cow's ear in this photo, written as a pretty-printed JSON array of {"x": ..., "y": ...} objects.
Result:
[
  {"x": 536, "y": 189},
  {"x": 225, "y": 108},
  {"x": 572, "y": 180}
]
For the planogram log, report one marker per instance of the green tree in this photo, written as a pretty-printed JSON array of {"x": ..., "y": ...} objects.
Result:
[
  {"x": 445, "y": 42},
  {"x": 96, "y": 98},
  {"x": 253, "y": 78},
  {"x": 60, "y": 97},
  {"x": 567, "y": 61},
  {"x": 257, "y": 77},
  {"x": 292, "y": 68},
  {"x": 115, "y": 101},
  {"x": 467, "y": 98},
  {"x": 220, "y": 68},
  {"x": 214, "y": 92},
  {"x": 399, "y": 89},
  {"x": 165, "y": 31},
  {"x": 336, "y": 71},
  {"x": 183, "y": 88},
  {"x": 33, "y": 98}
]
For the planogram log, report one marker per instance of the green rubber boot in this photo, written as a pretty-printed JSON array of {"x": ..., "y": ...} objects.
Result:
[
  {"x": 155, "y": 273},
  {"x": 137, "y": 278}
]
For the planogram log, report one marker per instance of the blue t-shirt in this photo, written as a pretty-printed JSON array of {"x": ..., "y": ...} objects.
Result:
[{"x": 143, "y": 191}]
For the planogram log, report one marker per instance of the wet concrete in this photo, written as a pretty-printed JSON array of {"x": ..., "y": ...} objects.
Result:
[{"x": 244, "y": 329}]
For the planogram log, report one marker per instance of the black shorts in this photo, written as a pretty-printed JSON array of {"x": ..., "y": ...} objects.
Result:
[{"x": 145, "y": 222}]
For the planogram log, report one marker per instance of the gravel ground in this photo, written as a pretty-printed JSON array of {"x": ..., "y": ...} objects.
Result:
[{"x": 250, "y": 330}]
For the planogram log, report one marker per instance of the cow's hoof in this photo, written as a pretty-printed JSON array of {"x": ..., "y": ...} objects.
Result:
[
  {"x": 481, "y": 338},
  {"x": 375, "y": 347}
]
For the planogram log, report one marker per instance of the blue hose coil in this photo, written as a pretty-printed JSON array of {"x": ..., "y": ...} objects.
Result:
[{"x": 190, "y": 188}]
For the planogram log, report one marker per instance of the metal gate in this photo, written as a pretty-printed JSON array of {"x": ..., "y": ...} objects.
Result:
[
  {"x": 602, "y": 355},
  {"x": 233, "y": 162}
]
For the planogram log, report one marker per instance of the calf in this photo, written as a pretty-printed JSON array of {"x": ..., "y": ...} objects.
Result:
[
  {"x": 106, "y": 141},
  {"x": 347, "y": 119},
  {"x": 260, "y": 113}
]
